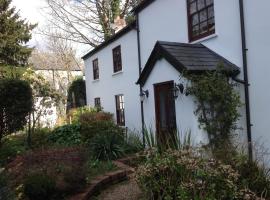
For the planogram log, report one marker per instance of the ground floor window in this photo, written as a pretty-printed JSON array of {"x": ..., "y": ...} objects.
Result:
[
  {"x": 97, "y": 102},
  {"x": 120, "y": 109}
]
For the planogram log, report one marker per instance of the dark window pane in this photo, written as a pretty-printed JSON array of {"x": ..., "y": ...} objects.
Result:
[
  {"x": 203, "y": 28},
  {"x": 201, "y": 18},
  {"x": 201, "y": 4},
  {"x": 195, "y": 30},
  {"x": 211, "y": 24},
  {"x": 209, "y": 2},
  {"x": 195, "y": 19},
  {"x": 117, "y": 60},
  {"x": 193, "y": 8},
  {"x": 211, "y": 12},
  {"x": 203, "y": 15},
  {"x": 120, "y": 110}
]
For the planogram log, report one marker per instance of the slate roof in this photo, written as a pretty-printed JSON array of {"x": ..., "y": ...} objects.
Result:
[
  {"x": 190, "y": 57},
  {"x": 119, "y": 34},
  {"x": 142, "y": 6}
]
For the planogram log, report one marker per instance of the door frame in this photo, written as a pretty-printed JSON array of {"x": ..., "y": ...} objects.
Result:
[{"x": 157, "y": 114}]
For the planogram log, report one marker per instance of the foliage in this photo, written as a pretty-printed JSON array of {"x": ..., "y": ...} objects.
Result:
[
  {"x": 176, "y": 140},
  {"x": 253, "y": 175},
  {"x": 5, "y": 190},
  {"x": 97, "y": 167},
  {"x": 217, "y": 104},
  {"x": 40, "y": 138},
  {"x": 65, "y": 165},
  {"x": 45, "y": 96},
  {"x": 14, "y": 109},
  {"x": 76, "y": 94},
  {"x": 74, "y": 114},
  {"x": 133, "y": 143},
  {"x": 12, "y": 146},
  {"x": 66, "y": 135},
  {"x": 15, "y": 33},
  {"x": 71, "y": 178},
  {"x": 39, "y": 186},
  {"x": 107, "y": 146},
  {"x": 185, "y": 175}
]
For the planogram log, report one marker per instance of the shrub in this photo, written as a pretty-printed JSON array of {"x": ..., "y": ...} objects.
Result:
[
  {"x": 97, "y": 123},
  {"x": 39, "y": 186},
  {"x": 107, "y": 146},
  {"x": 39, "y": 138},
  {"x": 66, "y": 135},
  {"x": 14, "y": 109},
  {"x": 77, "y": 92},
  {"x": 70, "y": 178},
  {"x": 5, "y": 191},
  {"x": 74, "y": 114},
  {"x": 253, "y": 176},
  {"x": 11, "y": 147},
  {"x": 183, "y": 175},
  {"x": 133, "y": 143}
]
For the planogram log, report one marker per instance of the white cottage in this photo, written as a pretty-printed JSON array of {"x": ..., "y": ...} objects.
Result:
[{"x": 169, "y": 36}]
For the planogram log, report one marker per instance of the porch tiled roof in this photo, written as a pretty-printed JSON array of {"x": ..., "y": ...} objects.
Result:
[{"x": 189, "y": 57}]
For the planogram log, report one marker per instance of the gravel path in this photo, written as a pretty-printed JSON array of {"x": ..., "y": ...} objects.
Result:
[{"x": 127, "y": 190}]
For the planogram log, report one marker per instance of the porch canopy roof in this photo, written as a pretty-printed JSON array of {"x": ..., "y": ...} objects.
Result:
[{"x": 189, "y": 57}]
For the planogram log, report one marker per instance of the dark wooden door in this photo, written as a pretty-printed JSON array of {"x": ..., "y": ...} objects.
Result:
[{"x": 165, "y": 112}]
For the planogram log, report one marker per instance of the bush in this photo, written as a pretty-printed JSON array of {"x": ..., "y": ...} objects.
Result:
[
  {"x": 253, "y": 176},
  {"x": 74, "y": 114},
  {"x": 39, "y": 186},
  {"x": 70, "y": 178},
  {"x": 133, "y": 143},
  {"x": 11, "y": 147},
  {"x": 39, "y": 138},
  {"x": 107, "y": 146},
  {"x": 77, "y": 90},
  {"x": 14, "y": 109},
  {"x": 5, "y": 191},
  {"x": 66, "y": 135},
  {"x": 183, "y": 175}
]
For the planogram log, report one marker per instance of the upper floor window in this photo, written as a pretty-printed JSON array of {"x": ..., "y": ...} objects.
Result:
[
  {"x": 117, "y": 59},
  {"x": 120, "y": 109},
  {"x": 201, "y": 18},
  {"x": 95, "y": 69}
]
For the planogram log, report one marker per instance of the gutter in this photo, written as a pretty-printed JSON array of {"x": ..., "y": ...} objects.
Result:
[
  {"x": 246, "y": 80},
  {"x": 140, "y": 71}
]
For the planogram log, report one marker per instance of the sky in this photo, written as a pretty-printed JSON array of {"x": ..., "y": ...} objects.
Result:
[{"x": 31, "y": 10}]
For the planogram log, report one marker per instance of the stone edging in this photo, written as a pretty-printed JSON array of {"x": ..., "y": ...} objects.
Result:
[{"x": 104, "y": 181}]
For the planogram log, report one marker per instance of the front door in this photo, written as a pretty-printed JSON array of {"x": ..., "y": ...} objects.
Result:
[{"x": 165, "y": 112}]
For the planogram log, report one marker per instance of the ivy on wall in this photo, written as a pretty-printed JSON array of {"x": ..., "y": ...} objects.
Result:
[{"x": 217, "y": 104}]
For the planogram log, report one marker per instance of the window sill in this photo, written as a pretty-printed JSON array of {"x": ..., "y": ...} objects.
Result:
[
  {"x": 96, "y": 80},
  {"x": 204, "y": 39},
  {"x": 116, "y": 73}
]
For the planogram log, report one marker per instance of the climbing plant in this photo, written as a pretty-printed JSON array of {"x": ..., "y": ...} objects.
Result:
[{"x": 217, "y": 104}]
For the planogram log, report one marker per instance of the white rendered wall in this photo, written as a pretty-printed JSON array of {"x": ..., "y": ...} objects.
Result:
[
  {"x": 167, "y": 21},
  {"x": 110, "y": 84},
  {"x": 184, "y": 105},
  {"x": 257, "y": 17}
]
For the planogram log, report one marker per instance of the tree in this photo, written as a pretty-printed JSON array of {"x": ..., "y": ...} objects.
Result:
[
  {"x": 14, "y": 111},
  {"x": 45, "y": 97},
  {"x": 76, "y": 94},
  {"x": 14, "y": 34},
  {"x": 86, "y": 21}
]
